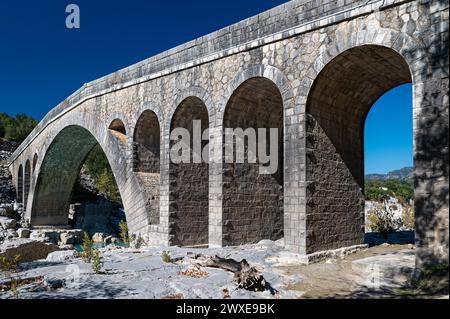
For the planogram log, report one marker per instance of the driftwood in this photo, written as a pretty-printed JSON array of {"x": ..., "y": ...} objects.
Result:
[{"x": 245, "y": 276}]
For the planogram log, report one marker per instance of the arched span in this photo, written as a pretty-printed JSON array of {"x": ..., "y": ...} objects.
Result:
[
  {"x": 338, "y": 103},
  {"x": 147, "y": 162},
  {"x": 253, "y": 202},
  {"x": 20, "y": 184},
  {"x": 27, "y": 184},
  {"x": 188, "y": 209},
  {"x": 35, "y": 161},
  {"x": 58, "y": 173}
]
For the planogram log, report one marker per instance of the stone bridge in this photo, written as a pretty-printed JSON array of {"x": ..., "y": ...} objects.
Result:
[{"x": 312, "y": 69}]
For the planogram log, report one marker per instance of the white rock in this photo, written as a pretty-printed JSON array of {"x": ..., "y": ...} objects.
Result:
[
  {"x": 98, "y": 237},
  {"x": 8, "y": 223},
  {"x": 60, "y": 256}
]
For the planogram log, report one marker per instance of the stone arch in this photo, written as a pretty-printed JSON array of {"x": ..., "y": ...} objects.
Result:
[
  {"x": 65, "y": 150},
  {"x": 20, "y": 184},
  {"x": 253, "y": 202},
  {"x": 337, "y": 105},
  {"x": 147, "y": 161},
  {"x": 117, "y": 128},
  {"x": 189, "y": 210},
  {"x": 27, "y": 183},
  {"x": 35, "y": 161}
]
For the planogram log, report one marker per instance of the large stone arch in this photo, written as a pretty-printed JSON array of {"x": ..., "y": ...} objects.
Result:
[
  {"x": 188, "y": 211},
  {"x": 288, "y": 173},
  {"x": 430, "y": 162},
  {"x": 67, "y": 144}
]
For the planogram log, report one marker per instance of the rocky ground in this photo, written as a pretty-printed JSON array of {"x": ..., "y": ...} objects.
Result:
[{"x": 380, "y": 271}]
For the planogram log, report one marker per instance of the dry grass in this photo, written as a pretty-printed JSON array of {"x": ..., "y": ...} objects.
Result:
[
  {"x": 194, "y": 272},
  {"x": 174, "y": 296}
]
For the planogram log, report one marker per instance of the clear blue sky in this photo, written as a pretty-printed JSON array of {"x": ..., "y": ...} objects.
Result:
[{"x": 42, "y": 62}]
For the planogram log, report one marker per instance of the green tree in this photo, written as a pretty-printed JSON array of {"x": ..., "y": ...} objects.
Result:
[
  {"x": 16, "y": 129},
  {"x": 98, "y": 168},
  {"x": 5, "y": 121}
]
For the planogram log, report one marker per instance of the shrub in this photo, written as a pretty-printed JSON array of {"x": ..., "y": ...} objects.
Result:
[
  {"x": 9, "y": 267},
  {"x": 382, "y": 219},
  {"x": 408, "y": 217},
  {"x": 97, "y": 261},
  {"x": 88, "y": 248},
  {"x": 123, "y": 234},
  {"x": 165, "y": 257},
  {"x": 97, "y": 166}
]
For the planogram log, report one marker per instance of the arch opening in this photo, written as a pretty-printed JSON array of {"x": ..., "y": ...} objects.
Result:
[
  {"x": 27, "y": 184},
  {"x": 146, "y": 164},
  {"x": 253, "y": 203},
  {"x": 20, "y": 185},
  {"x": 117, "y": 128},
  {"x": 337, "y": 107},
  {"x": 188, "y": 209},
  {"x": 75, "y": 185},
  {"x": 35, "y": 160}
]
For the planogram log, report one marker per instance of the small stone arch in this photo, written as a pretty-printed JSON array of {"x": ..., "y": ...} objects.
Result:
[
  {"x": 147, "y": 160},
  {"x": 20, "y": 184},
  {"x": 35, "y": 161},
  {"x": 118, "y": 129},
  {"x": 27, "y": 183}
]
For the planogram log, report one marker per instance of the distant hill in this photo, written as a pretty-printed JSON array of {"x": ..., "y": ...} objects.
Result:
[{"x": 403, "y": 174}]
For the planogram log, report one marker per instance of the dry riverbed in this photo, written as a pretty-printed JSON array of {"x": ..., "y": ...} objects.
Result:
[{"x": 142, "y": 273}]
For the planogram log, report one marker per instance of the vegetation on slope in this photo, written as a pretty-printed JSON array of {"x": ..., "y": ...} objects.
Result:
[
  {"x": 97, "y": 166},
  {"x": 380, "y": 190},
  {"x": 16, "y": 129}
]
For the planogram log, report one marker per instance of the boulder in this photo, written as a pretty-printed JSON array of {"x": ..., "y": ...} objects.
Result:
[
  {"x": 108, "y": 239},
  {"x": 8, "y": 223},
  {"x": 98, "y": 237},
  {"x": 72, "y": 237},
  {"x": 27, "y": 249},
  {"x": 45, "y": 235},
  {"x": 24, "y": 233},
  {"x": 60, "y": 256},
  {"x": 67, "y": 239},
  {"x": 11, "y": 233}
]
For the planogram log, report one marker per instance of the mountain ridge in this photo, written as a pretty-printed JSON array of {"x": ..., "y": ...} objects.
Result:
[{"x": 402, "y": 174}]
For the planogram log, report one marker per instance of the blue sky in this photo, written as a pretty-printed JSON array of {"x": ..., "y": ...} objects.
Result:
[{"x": 42, "y": 62}]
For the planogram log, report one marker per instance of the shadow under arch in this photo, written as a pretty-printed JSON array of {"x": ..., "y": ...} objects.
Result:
[
  {"x": 189, "y": 181},
  {"x": 337, "y": 106},
  {"x": 253, "y": 203},
  {"x": 58, "y": 174}
]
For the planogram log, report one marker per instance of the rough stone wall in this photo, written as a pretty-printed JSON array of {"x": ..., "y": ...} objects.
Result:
[
  {"x": 253, "y": 202},
  {"x": 189, "y": 183}
]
